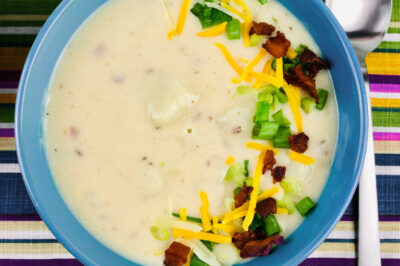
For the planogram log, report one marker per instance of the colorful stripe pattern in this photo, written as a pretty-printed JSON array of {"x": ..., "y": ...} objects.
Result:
[{"x": 24, "y": 238}]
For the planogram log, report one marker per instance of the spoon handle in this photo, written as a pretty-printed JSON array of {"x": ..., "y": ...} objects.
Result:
[{"x": 368, "y": 222}]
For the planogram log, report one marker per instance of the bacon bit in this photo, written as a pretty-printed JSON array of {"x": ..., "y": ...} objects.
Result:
[
  {"x": 261, "y": 28},
  {"x": 240, "y": 239},
  {"x": 269, "y": 161},
  {"x": 260, "y": 247},
  {"x": 277, "y": 46},
  {"x": 73, "y": 132},
  {"x": 308, "y": 57},
  {"x": 266, "y": 207},
  {"x": 176, "y": 254},
  {"x": 299, "y": 142},
  {"x": 243, "y": 196},
  {"x": 299, "y": 79},
  {"x": 278, "y": 173},
  {"x": 237, "y": 130}
]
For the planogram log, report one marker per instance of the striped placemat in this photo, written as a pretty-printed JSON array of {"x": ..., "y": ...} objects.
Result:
[{"x": 24, "y": 238}]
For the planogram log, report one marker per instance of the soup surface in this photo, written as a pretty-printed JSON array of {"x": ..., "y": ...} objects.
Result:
[{"x": 137, "y": 124}]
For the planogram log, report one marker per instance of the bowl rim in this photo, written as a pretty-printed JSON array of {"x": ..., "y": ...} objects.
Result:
[{"x": 295, "y": 260}]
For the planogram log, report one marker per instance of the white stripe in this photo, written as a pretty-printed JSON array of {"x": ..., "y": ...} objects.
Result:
[
  {"x": 10, "y": 168},
  {"x": 333, "y": 254},
  {"x": 31, "y": 256},
  {"x": 336, "y": 234},
  {"x": 8, "y": 91},
  {"x": 19, "y": 30},
  {"x": 387, "y": 129},
  {"x": 6, "y": 125},
  {"x": 394, "y": 24},
  {"x": 387, "y": 170},
  {"x": 389, "y": 234},
  {"x": 26, "y": 234},
  {"x": 385, "y": 95},
  {"x": 391, "y": 37},
  {"x": 386, "y": 255}
]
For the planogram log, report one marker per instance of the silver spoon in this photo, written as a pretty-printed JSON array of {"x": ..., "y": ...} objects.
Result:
[{"x": 365, "y": 23}]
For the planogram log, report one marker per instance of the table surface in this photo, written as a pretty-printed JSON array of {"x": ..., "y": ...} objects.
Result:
[{"x": 25, "y": 239}]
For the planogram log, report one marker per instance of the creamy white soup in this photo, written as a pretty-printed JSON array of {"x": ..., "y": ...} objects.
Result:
[{"x": 137, "y": 124}]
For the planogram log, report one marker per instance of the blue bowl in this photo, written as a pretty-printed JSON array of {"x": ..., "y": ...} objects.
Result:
[{"x": 342, "y": 182}]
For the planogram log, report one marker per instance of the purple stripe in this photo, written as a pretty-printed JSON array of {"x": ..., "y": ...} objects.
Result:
[
  {"x": 50, "y": 262},
  {"x": 7, "y": 84},
  {"x": 9, "y": 79},
  {"x": 386, "y": 136},
  {"x": 385, "y": 79},
  {"x": 20, "y": 217},
  {"x": 329, "y": 261},
  {"x": 379, "y": 87},
  {"x": 348, "y": 218},
  {"x": 389, "y": 218},
  {"x": 6, "y": 132}
]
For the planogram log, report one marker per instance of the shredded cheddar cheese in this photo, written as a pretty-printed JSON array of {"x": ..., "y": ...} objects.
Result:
[
  {"x": 189, "y": 258},
  {"x": 294, "y": 106},
  {"x": 243, "y": 5},
  {"x": 266, "y": 78},
  {"x": 282, "y": 211},
  {"x": 181, "y": 19},
  {"x": 253, "y": 196},
  {"x": 266, "y": 70},
  {"x": 296, "y": 93},
  {"x": 176, "y": 233},
  {"x": 230, "y": 229},
  {"x": 214, "y": 31},
  {"x": 250, "y": 66},
  {"x": 182, "y": 214},
  {"x": 214, "y": 222},
  {"x": 261, "y": 147},
  {"x": 243, "y": 60},
  {"x": 205, "y": 215},
  {"x": 234, "y": 10},
  {"x": 301, "y": 158},
  {"x": 229, "y": 58},
  {"x": 279, "y": 71},
  {"x": 229, "y": 160},
  {"x": 267, "y": 194},
  {"x": 246, "y": 30}
]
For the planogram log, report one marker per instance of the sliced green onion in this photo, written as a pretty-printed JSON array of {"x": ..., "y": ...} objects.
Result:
[
  {"x": 233, "y": 29},
  {"x": 262, "y": 112},
  {"x": 257, "y": 223},
  {"x": 307, "y": 104},
  {"x": 281, "y": 139},
  {"x": 209, "y": 16},
  {"x": 229, "y": 203},
  {"x": 208, "y": 244},
  {"x": 195, "y": 261},
  {"x": 282, "y": 98},
  {"x": 237, "y": 191},
  {"x": 197, "y": 10},
  {"x": 273, "y": 65},
  {"x": 274, "y": 102},
  {"x": 248, "y": 182},
  {"x": 268, "y": 89},
  {"x": 244, "y": 89},
  {"x": 189, "y": 218},
  {"x": 280, "y": 118},
  {"x": 235, "y": 174},
  {"x": 300, "y": 49},
  {"x": 323, "y": 97},
  {"x": 159, "y": 233},
  {"x": 292, "y": 186},
  {"x": 255, "y": 39},
  {"x": 275, "y": 20},
  {"x": 265, "y": 130},
  {"x": 305, "y": 206},
  {"x": 265, "y": 97},
  {"x": 271, "y": 225},
  {"x": 246, "y": 168},
  {"x": 263, "y": 1},
  {"x": 287, "y": 202}
]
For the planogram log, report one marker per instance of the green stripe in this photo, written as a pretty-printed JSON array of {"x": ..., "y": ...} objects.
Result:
[
  {"x": 28, "y": 6},
  {"x": 7, "y": 113},
  {"x": 17, "y": 39},
  {"x": 385, "y": 109},
  {"x": 386, "y": 51},
  {"x": 389, "y": 45},
  {"x": 385, "y": 119},
  {"x": 396, "y": 11},
  {"x": 7, "y": 23},
  {"x": 393, "y": 30}
]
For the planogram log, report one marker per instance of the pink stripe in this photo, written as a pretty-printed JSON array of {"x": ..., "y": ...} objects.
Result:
[
  {"x": 386, "y": 136},
  {"x": 394, "y": 88}
]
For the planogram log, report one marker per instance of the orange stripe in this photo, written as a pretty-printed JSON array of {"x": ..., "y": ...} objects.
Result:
[
  {"x": 13, "y": 58},
  {"x": 383, "y": 63},
  {"x": 7, "y": 98},
  {"x": 382, "y": 102},
  {"x": 7, "y": 144}
]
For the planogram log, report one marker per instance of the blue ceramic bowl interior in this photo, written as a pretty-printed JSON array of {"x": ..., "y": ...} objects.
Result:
[{"x": 338, "y": 191}]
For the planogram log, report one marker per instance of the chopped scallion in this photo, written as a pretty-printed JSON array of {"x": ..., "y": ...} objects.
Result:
[
  {"x": 282, "y": 98},
  {"x": 268, "y": 89},
  {"x": 255, "y": 39},
  {"x": 159, "y": 233},
  {"x": 265, "y": 97},
  {"x": 265, "y": 130},
  {"x": 305, "y": 206},
  {"x": 189, "y": 218},
  {"x": 262, "y": 112},
  {"x": 195, "y": 261},
  {"x": 246, "y": 168},
  {"x": 233, "y": 29},
  {"x": 307, "y": 104},
  {"x": 257, "y": 223},
  {"x": 208, "y": 16},
  {"x": 273, "y": 65},
  {"x": 248, "y": 182},
  {"x": 263, "y": 1},
  {"x": 274, "y": 102},
  {"x": 300, "y": 49},
  {"x": 287, "y": 202},
  {"x": 237, "y": 191},
  {"x": 244, "y": 89},
  {"x": 281, "y": 139},
  {"x": 292, "y": 186},
  {"x": 235, "y": 174},
  {"x": 280, "y": 118},
  {"x": 208, "y": 244},
  {"x": 271, "y": 225},
  {"x": 323, "y": 97}
]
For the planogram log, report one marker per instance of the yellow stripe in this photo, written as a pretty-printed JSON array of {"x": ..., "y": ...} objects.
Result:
[
  {"x": 382, "y": 102},
  {"x": 387, "y": 147},
  {"x": 337, "y": 247},
  {"x": 383, "y": 63},
  {"x": 7, "y": 98},
  {"x": 7, "y": 144},
  {"x": 23, "y": 17},
  {"x": 13, "y": 58},
  {"x": 23, "y": 226},
  {"x": 28, "y": 248}
]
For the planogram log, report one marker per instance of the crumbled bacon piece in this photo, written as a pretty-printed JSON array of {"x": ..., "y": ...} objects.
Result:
[
  {"x": 237, "y": 130},
  {"x": 243, "y": 195},
  {"x": 269, "y": 161},
  {"x": 278, "y": 173},
  {"x": 309, "y": 56},
  {"x": 303, "y": 81},
  {"x": 277, "y": 46},
  {"x": 260, "y": 247},
  {"x": 261, "y": 28},
  {"x": 266, "y": 207},
  {"x": 299, "y": 142},
  {"x": 240, "y": 239},
  {"x": 176, "y": 254}
]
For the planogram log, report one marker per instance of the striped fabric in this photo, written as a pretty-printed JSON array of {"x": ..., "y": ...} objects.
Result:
[{"x": 24, "y": 238}]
